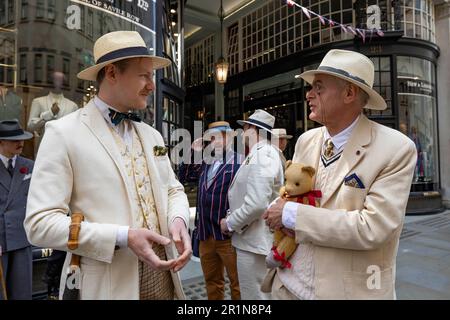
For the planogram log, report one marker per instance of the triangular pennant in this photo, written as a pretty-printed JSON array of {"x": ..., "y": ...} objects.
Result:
[
  {"x": 352, "y": 30},
  {"x": 331, "y": 23},
  {"x": 380, "y": 33},
  {"x": 343, "y": 28},
  {"x": 306, "y": 12},
  {"x": 290, "y": 3},
  {"x": 322, "y": 20},
  {"x": 362, "y": 33}
]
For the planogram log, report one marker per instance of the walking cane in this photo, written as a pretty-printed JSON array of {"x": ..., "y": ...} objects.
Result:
[
  {"x": 2, "y": 280},
  {"x": 72, "y": 244}
]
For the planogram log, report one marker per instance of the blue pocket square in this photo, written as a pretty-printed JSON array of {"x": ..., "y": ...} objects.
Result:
[{"x": 354, "y": 181}]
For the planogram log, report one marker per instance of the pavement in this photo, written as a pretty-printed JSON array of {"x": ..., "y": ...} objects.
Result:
[{"x": 423, "y": 262}]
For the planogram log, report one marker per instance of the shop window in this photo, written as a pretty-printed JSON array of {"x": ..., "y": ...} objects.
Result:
[
  {"x": 11, "y": 15},
  {"x": 23, "y": 69},
  {"x": 66, "y": 71},
  {"x": 417, "y": 117},
  {"x": 50, "y": 68},
  {"x": 40, "y": 9},
  {"x": 24, "y": 10},
  {"x": 38, "y": 71}
]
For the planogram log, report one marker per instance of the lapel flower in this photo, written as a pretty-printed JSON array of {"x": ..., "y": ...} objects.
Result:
[
  {"x": 23, "y": 170},
  {"x": 159, "y": 151}
]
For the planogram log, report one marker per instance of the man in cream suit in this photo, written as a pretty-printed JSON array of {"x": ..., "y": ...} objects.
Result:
[
  {"x": 347, "y": 247},
  {"x": 114, "y": 169},
  {"x": 255, "y": 185}
]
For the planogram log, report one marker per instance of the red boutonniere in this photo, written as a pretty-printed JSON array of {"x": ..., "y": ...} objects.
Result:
[{"x": 23, "y": 170}]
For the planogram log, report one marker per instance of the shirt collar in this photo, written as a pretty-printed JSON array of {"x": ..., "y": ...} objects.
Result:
[
  {"x": 103, "y": 107},
  {"x": 342, "y": 137},
  {"x": 5, "y": 160}
]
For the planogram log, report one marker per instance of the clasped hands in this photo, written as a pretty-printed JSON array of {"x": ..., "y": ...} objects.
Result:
[
  {"x": 140, "y": 241},
  {"x": 273, "y": 216}
]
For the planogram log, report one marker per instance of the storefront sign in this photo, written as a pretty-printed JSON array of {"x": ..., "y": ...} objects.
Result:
[
  {"x": 139, "y": 12},
  {"x": 415, "y": 86}
]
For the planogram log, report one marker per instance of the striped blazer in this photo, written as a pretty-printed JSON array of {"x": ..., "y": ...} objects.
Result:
[{"x": 212, "y": 202}]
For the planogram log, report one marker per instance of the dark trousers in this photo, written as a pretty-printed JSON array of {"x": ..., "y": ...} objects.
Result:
[
  {"x": 214, "y": 256},
  {"x": 18, "y": 273}
]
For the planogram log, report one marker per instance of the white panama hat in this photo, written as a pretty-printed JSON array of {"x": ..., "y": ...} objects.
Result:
[
  {"x": 281, "y": 133},
  {"x": 260, "y": 119},
  {"x": 119, "y": 45},
  {"x": 353, "y": 67}
]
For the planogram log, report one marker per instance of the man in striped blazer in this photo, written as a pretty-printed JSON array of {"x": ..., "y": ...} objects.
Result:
[{"x": 214, "y": 178}]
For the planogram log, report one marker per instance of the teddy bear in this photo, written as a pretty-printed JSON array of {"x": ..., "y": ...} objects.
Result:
[{"x": 298, "y": 187}]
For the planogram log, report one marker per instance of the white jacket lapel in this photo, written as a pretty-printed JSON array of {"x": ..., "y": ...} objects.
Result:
[{"x": 93, "y": 119}]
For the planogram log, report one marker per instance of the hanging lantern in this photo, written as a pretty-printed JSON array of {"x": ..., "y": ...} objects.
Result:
[
  {"x": 222, "y": 70},
  {"x": 221, "y": 65}
]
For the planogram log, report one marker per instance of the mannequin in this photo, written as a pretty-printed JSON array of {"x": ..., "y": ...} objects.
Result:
[
  {"x": 10, "y": 105},
  {"x": 50, "y": 107}
]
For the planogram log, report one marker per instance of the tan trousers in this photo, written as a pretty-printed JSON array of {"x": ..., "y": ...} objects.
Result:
[{"x": 214, "y": 256}]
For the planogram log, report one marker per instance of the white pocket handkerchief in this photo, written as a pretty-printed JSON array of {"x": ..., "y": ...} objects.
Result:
[{"x": 26, "y": 177}]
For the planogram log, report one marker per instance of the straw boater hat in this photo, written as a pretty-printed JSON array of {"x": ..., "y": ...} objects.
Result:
[
  {"x": 260, "y": 119},
  {"x": 281, "y": 133},
  {"x": 119, "y": 45},
  {"x": 353, "y": 67},
  {"x": 216, "y": 127},
  {"x": 11, "y": 130}
]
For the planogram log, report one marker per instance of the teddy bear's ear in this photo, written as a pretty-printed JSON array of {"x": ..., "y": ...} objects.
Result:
[
  {"x": 288, "y": 163},
  {"x": 310, "y": 170}
]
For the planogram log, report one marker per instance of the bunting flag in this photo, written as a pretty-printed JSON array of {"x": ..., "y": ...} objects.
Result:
[
  {"x": 305, "y": 11},
  {"x": 358, "y": 32}
]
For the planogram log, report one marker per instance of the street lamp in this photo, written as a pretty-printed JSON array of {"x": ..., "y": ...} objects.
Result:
[{"x": 221, "y": 65}]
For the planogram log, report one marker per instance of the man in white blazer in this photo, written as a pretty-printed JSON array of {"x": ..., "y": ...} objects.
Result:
[
  {"x": 104, "y": 163},
  {"x": 255, "y": 185},
  {"x": 347, "y": 247}
]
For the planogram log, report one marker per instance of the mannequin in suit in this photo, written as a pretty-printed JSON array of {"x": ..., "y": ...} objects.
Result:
[{"x": 50, "y": 107}]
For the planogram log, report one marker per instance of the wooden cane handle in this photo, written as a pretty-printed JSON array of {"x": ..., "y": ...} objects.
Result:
[{"x": 74, "y": 230}]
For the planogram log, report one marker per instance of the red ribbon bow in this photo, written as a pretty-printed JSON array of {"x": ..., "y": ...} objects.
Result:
[
  {"x": 312, "y": 196},
  {"x": 281, "y": 257}
]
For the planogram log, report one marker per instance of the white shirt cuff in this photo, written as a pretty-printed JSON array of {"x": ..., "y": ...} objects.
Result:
[
  {"x": 122, "y": 237},
  {"x": 273, "y": 202},
  {"x": 289, "y": 216},
  {"x": 228, "y": 225}
]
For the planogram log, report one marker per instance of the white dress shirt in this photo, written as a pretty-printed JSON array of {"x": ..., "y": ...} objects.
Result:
[
  {"x": 289, "y": 216},
  {"x": 5, "y": 160},
  {"x": 125, "y": 131}
]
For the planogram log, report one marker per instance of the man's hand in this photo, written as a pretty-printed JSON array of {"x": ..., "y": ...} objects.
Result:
[
  {"x": 55, "y": 108},
  {"x": 197, "y": 145},
  {"x": 273, "y": 215},
  {"x": 224, "y": 227},
  {"x": 140, "y": 242},
  {"x": 180, "y": 236}
]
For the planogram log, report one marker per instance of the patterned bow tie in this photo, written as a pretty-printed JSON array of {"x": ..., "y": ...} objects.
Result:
[{"x": 117, "y": 117}]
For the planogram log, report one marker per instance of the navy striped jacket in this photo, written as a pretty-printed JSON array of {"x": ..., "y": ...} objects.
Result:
[{"x": 212, "y": 202}]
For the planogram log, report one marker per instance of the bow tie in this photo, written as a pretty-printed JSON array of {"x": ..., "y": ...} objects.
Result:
[{"x": 117, "y": 117}]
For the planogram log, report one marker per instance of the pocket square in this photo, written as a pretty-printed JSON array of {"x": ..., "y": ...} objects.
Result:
[
  {"x": 159, "y": 151},
  {"x": 354, "y": 181},
  {"x": 26, "y": 177}
]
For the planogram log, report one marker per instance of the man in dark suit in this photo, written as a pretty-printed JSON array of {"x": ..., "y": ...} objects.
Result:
[
  {"x": 214, "y": 177},
  {"x": 15, "y": 174}
]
